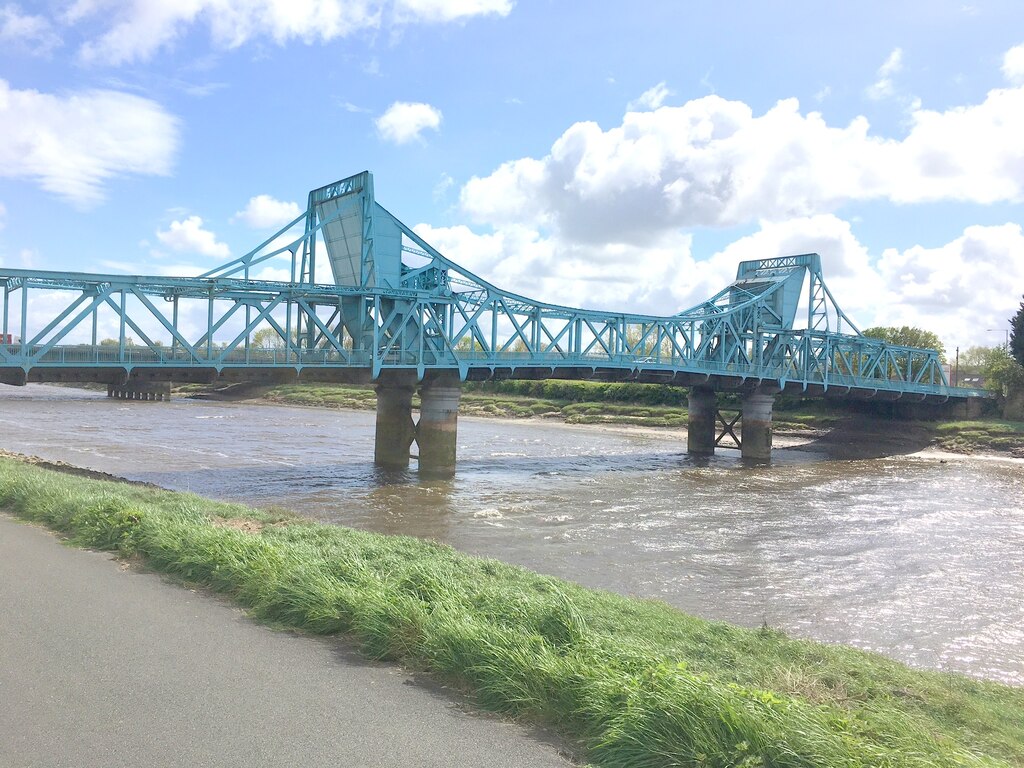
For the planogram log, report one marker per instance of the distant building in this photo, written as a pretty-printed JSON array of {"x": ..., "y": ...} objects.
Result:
[{"x": 972, "y": 380}]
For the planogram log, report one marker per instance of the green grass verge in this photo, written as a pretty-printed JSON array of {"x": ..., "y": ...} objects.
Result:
[
  {"x": 980, "y": 434},
  {"x": 631, "y": 682}
]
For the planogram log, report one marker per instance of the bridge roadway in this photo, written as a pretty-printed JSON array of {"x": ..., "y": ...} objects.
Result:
[{"x": 103, "y": 666}]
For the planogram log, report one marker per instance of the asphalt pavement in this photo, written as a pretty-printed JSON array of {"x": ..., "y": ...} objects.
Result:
[{"x": 106, "y": 665}]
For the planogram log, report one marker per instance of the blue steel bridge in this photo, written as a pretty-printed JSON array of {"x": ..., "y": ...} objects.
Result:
[{"x": 397, "y": 313}]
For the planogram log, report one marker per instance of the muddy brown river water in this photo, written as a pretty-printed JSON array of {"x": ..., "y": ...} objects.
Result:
[{"x": 917, "y": 558}]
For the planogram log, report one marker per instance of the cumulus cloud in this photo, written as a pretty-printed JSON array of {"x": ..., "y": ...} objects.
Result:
[
  {"x": 883, "y": 87},
  {"x": 21, "y": 30},
  {"x": 1013, "y": 65},
  {"x": 264, "y": 212},
  {"x": 405, "y": 121},
  {"x": 449, "y": 10},
  {"x": 712, "y": 162},
  {"x": 189, "y": 235},
  {"x": 608, "y": 276},
  {"x": 72, "y": 144},
  {"x": 139, "y": 28},
  {"x": 957, "y": 289},
  {"x": 652, "y": 98}
]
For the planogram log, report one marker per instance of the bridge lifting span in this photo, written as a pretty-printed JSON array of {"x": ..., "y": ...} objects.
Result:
[{"x": 402, "y": 315}]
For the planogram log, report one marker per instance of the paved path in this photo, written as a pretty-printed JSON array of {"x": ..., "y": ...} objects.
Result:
[{"x": 103, "y": 666}]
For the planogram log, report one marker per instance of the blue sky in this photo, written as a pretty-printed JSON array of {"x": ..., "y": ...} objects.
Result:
[{"x": 607, "y": 155}]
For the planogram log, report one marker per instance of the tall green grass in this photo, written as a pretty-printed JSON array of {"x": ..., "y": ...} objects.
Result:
[{"x": 631, "y": 682}]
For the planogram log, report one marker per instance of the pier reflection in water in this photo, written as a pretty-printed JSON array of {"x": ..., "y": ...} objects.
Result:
[{"x": 915, "y": 558}]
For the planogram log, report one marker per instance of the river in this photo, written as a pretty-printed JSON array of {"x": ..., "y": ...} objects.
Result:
[{"x": 917, "y": 558}]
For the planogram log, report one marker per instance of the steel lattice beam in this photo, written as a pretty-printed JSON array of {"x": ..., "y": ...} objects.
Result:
[{"x": 435, "y": 315}]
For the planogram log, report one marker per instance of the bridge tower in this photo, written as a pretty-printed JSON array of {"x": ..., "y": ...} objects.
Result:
[
  {"x": 364, "y": 248},
  {"x": 752, "y": 320}
]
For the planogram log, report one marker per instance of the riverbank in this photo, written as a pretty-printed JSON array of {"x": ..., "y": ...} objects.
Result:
[
  {"x": 831, "y": 428},
  {"x": 630, "y": 681}
]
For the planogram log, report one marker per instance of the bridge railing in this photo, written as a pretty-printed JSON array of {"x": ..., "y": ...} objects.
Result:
[{"x": 780, "y": 374}]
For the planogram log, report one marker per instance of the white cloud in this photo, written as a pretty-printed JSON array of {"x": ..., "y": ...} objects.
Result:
[
  {"x": 958, "y": 289},
  {"x": 652, "y": 98},
  {"x": 444, "y": 184},
  {"x": 72, "y": 144},
  {"x": 34, "y": 33},
  {"x": 189, "y": 235},
  {"x": 1013, "y": 65},
  {"x": 449, "y": 10},
  {"x": 264, "y": 212},
  {"x": 608, "y": 276},
  {"x": 712, "y": 162},
  {"x": 139, "y": 28},
  {"x": 601, "y": 221},
  {"x": 883, "y": 88},
  {"x": 404, "y": 121}
]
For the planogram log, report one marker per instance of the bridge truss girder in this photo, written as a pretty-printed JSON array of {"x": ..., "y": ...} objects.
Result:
[{"x": 439, "y": 316}]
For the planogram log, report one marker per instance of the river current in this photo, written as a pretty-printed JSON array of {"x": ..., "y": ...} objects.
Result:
[{"x": 915, "y": 557}]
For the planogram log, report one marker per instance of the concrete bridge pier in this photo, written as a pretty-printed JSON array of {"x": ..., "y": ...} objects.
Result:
[
  {"x": 700, "y": 429},
  {"x": 437, "y": 431},
  {"x": 395, "y": 427},
  {"x": 757, "y": 425}
]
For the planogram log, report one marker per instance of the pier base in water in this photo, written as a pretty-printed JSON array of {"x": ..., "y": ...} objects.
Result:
[
  {"x": 757, "y": 425},
  {"x": 437, "y": 431},
  {"x": 395, "y": 427},
  {"x": 700, "y": 430}
]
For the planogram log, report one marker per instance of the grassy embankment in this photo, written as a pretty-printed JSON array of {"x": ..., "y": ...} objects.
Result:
[
  {"x": 630, "y": 682},
  {"x": 582, "y": 402}
]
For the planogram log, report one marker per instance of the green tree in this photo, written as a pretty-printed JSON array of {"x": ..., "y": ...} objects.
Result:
[
  {"x": 1003, "y": 372},
  {"x": 268, "y": 338},
  {"x": 1017, "y": 335},
  {"x": 907, "y": 336},
  {"x": 977, "y": 359}
]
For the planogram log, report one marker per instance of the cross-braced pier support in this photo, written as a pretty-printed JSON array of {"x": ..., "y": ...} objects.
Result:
[{"x": 756, "y": 424}]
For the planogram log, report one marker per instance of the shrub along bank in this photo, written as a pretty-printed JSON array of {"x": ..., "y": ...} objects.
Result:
[{"x": 632, "y": 682}]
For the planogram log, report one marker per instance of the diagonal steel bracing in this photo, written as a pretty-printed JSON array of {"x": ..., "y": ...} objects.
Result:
[{"x": 397, "y": 303}]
